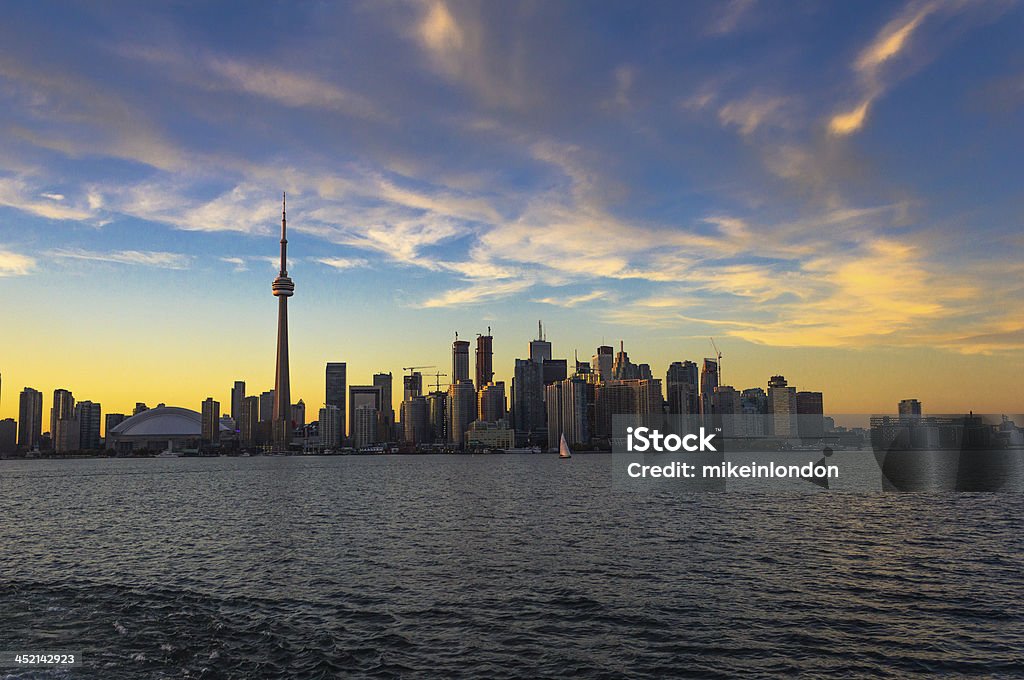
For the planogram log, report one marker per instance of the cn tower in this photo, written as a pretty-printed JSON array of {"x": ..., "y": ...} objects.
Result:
[{"x": 283, "y": 289}]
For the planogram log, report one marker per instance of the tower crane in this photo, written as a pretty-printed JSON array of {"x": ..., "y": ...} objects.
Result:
[
  {"x": 719, "y": 360},
  {"x": 437, "y": 380}
]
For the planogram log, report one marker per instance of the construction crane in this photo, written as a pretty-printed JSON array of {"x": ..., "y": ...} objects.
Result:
[
  {"x": 416, "y": 368},
  {"x": 437, "y": 380},
  {"x": 719, "y": 364}
]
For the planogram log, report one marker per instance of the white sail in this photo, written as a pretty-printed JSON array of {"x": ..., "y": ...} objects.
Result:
[{"x": 563, "y": 448}]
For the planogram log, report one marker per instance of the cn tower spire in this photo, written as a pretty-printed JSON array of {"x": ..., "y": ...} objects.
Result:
[{"x": 283, "y": 289}]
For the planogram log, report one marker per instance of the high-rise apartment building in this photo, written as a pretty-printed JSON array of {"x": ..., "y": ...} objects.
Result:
[
  {"x": 335, "y": 388},
  {"x": 89, "y": 416},
  {"x": 461, "y": 410},
  {"x": 602, "y": 363},
  {"x": 491, "y": 402},
  {"x": 387, "y": 409},
  {"x": 30, "y": 418},
  {"x": 366, "y": 427},
  {"x": 782, "y": 407},
  {"x": 211, "y": 421},
  {"x": 528, "y": 410},
  {"x": 682, "y": 388},
  {"x": 371, "y": 396},
  {"x": 810, "y": 415},
  {"x": 460, "y": 361},
  {"x": 63, "y": 408},
  {"x": 237, "y": 397},
  {"x": 708, "y": 383},
  {"x": 484, "y": 359},
  {"x": 249, "y": 423},
  {"x": 331, "y": 427}
]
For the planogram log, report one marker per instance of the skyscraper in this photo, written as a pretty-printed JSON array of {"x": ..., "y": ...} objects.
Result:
[
  {"x": 782, "y": 407},
  {"x": 910, "y": 408},
  {"x": 566, "y": 402},
  {"x": 8, "y": 435},
  {"x": 491, "y": 402},
  {"x": 681, "y": 385},
  {"x": 89, "y": 415},
  {"x": 460, "y": 360},
  {"x": 365, "y": 431},
  {"x": 363, "y": 395},
  {"x": 248, "y": 424},
  {"x": 331, "y": 427},
  {"x": 299, "y": 415},
  {"x": 283, "y": 289},
  {"x": 413, "y": 385},
  {"x": 461, "y": 410},
  {"x": 528, "y": 399},
  {"x": 484, "y": 359},
  {"x": 30, "y": 418},
  {"x": 708, "y": 383},
  {"x": 237, "y": 397},
  {"x": 602, "y": 362},
  {"x": 540, "y": 349},
  {"x": 336, "y": 392},
  {"x": 437, "y": 407},
  {"x": 810, "y": 414},
  {"x": 63, "y": 409},
  {"x": 211, "y": 421},
  {"x": 387, "y": 408}
]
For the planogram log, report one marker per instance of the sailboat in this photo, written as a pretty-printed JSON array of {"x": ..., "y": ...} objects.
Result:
[{"x": 563, "y": 448}]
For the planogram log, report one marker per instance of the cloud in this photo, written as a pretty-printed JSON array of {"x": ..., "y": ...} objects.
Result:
[
  {"x": 147, "y": 258},
  {"x": 753, "y": 112},
  {"x": 731, "y": 15},
  {"x": 15, "y": 264},
  {"x": 575, "y": 300},
  {"x": 343, "y": 262},
  {"x": 477, "y": 293},
  {"x": 19, "y": 194},
  {"x": 238, "y": 262}
]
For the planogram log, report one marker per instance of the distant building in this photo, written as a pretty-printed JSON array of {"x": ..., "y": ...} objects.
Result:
[
  {"x": 567, "y": 411},
  {"x": 66, "y": 435},
  {"x": 708, "y": 383},
  {"x": 603, "y": 363},
  {"x": 299, "y": 415},
  {"x": 387, "y": 409},
  {"x": 331, "y": 427},
  {"x": 365, "y": 395},
  {"x": 554, "y": 370},
  {"x": 461, "y": 410},
  {"x": 528, "y": 412},
  {"x": 415, "y": 421},
  {"x": 810, "y": 415},
  {"x": 211, "y": 421},
  {"x": 249, "y": 423},
  {"x": 30, "y": 418},
  {"x": 622, "y": 367},
  {"x": 237, "y": 397},
  {"x": 412, "y": 385},
  {"x": 8, "y": 436},
  {"x": 782, "y": 407},
  {"x": 753, "y": 413},
  {"x": 63, "y": 408},
  {"x": 460, "y": 361},
  {"x": 639, "y": 401},
  {"x": 139, "y": 408},
  {"x": 366, "y": 431},
  {"x": 437, "y": 414},
  {"x": 89, "y": 416},
  {"x": 157, "y": 429},
  {"x": 484, "y": 359},
  {"x": 682, "y": 388},
  {"x": 910, "y": 408},
  {"x": 481, "y": 435},
  {"x": 491, "y": 402},
  {"x": 540, "y": 349},
  {"x": 335, "y": 389},
  {"x": 112, "y": 420}
]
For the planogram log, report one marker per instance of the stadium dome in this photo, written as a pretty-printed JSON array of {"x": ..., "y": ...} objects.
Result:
[{"x": 162, "y": 427}]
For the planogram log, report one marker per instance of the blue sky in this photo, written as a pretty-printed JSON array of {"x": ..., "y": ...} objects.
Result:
[{"x": 806, "y": 182}]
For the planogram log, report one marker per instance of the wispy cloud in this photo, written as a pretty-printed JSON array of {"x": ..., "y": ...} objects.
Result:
[
  {"x": 238, "y": 262},
  {"x": 343, "y": 262},
  {"x": 575, "y": 300},
  {"x": 15, "y": 264},
  {"x": 146, "y": 258}
]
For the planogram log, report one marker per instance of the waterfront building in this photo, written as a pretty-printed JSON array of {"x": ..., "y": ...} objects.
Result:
[
  {"x": 483, "y": 435},
  {"x": 335, "y": 383},
  {"x": 782, "y": 407},
  {"x": 910, "y": 408},
  {"x": 63, "y": 408},
  {"x": 640, "y": 402},
  {"x": 437, "y": 415},
  {"x": 413, "y": 385},
  {"x": 810, "y": 415},
  {"x": 567, "y": 412},
  {"x": 89, "y": 416},
  {"x": 491, "y": 402},
  {"x": 299, "y": 415},
  {"x": 682, "y": 388},
  {"x": 366, "y": 430},
  {"x": 365, "y": 395},
  {"x": 387, "y": 409},
  {"x": 211, "y": 421},
  {"x": 157, "y": 429},
  {"x": 30, "y": 418},
  {"x": 416, "y": 421},
  {"x": 460, "y": 360},
  {"x": 528, "y": 411},
  {"x": 603, "y": 363},
  {"x": 461, "y": 410},
  {"x": 249, "y": 423},
  {"x": 708, "y": 383},
  {"x": 8, "y": 435},
  {"x": 332, "y": 427},
  {"x": 237, "y": 397},
  {"x": 484, "y": 359}
]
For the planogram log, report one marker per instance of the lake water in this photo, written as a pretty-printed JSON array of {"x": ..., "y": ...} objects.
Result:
[{"x": 493, "y": 566}]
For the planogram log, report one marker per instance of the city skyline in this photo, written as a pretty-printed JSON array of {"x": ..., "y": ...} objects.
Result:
[{"x": 645, "y": 189}]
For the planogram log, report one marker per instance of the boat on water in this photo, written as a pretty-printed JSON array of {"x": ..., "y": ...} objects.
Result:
[
  {"x": 520, "y": 449},
  {"x": 169, "y": 453},
  {"x": 563, "y": 448}
]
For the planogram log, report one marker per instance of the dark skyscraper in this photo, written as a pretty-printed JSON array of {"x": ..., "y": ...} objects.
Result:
[
  {"x": 810, "y": 418},
  {"x": 708, "y": 383},
  {"x": 682, "y": 386},
  {"x": 89, "y": 415},
  {"x": 30, "y": 418},
  {"x": 336, "y": 391},
  {"x": 237, "y": 397},
  {"x": 387, "y": 408},
  {"x": 528, "y": 399},
  {"x": 211, "y": 421},
  {"x": 63, "y": 408},
  {"x": 484, "y": 359},
  {"x": 540, "y": 349},
  {"x": 283, "y": 289},
  {"x": 460, "y": 360}
]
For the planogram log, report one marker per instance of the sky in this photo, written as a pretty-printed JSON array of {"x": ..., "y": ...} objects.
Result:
[{"x": 829, "y": 190}]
